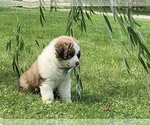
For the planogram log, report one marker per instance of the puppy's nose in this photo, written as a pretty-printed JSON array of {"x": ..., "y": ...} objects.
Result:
[{"x": 77, "y": 63}]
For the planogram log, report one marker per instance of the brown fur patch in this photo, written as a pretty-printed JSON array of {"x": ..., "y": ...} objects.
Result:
[
  {"x": 30, "y": 80},
  {"x": 76, "y": 41},
  {"x": 64, "y": 48}
]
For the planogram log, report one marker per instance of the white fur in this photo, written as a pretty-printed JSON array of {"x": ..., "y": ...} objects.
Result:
[{"x": 55, "y": 74}]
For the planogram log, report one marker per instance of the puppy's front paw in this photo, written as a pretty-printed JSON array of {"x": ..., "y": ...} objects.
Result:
[
  {"x": 67, "y": 100},
  {"x": 48, "y": 101}
]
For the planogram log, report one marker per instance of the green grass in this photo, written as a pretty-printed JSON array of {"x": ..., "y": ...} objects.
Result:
[{"x": 104, "y": 78}]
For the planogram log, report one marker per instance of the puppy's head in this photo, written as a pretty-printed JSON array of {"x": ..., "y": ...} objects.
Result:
[{"x": 67, "y": 51}]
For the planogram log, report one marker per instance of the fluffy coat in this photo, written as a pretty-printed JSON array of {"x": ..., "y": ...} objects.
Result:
[{"x": 52, "y": 70}]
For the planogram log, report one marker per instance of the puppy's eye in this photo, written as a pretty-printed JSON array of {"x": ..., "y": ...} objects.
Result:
[
  {"x": 70, "y": 55},
  {"x": 78, "y": 55}
]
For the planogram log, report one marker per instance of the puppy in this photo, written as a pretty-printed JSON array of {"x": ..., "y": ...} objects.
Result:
[{"x": 52, "y": 70}]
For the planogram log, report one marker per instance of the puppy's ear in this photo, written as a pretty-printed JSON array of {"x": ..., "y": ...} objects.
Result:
[
  {"x": 64, "y": 50},
  {"x": 59, "y": 51},
  {"x": 68, "y": 50}
]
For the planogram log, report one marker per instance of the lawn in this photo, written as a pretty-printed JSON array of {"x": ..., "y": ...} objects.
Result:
[{"x": 105, "y": 81}]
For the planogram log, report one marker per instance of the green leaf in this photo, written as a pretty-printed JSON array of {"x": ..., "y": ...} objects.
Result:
[
  {"x": 88, "y": 16},
  {"x": 44, "y": 45},
  {"x": 142, "y": 62},
  {"x": 37, "y": 42},
  {"x": 130, "y": 17},
  {"x": 41, "y": 21},
  {"x": 17, "y": 39},
  {"x": 17, "y": 58},
  {"x": 144, "y": 49},
  {"x": 136, "y": 22},
  {"x": 75, "y": 73},
  {"x": 8, "y": 46},
  {"x": 18, "y": 27},
  {"x": 134, "y": 37},
  {"x": 22, "y": 45},
  {"x": 107, "y": 22},
  {"x": 119, "y": 18},
  {"x": 42, "y": 18},
  {"x": 71, "y": 32},
  {"x": 15, "y": 65},
  {"x": 81, "y": 85},
  {"x": 83, "y": 25},
  {"x": 125, "y": 17},
  {"x": 126, "y": 48},
  {"x": 140, "y": 36},
  {"x": 69, "y": 26},
  {"x": 139, "y": 41},
  {"x": 125, "y": 63},
  {"x": 113, "y": 8},
  {"x": 91, "y": 10},
  {"x": 148, "y": 65},
  {"x": 41, "y": 13}
]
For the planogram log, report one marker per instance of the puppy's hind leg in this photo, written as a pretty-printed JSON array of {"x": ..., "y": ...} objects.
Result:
[{"x": 23, "y": 86}]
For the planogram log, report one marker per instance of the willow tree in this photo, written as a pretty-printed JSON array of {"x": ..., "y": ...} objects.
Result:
[{"x": 122, "y": 12}]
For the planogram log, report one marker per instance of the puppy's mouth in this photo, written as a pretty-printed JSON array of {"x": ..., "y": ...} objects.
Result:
[
  {"x": 74, "y": 66},
  {"x": 77, "y": 66}
]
